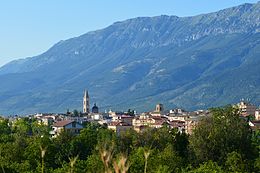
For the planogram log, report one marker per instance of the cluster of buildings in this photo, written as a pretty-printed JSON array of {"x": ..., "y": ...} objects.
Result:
[
  {"x": 119, "y": 122},
  {"x": 251, "y": 112},
  {"x": 177, "y": 118},
  {"x": 122, "y": 121},
  {"x": 180, "y": 119}
]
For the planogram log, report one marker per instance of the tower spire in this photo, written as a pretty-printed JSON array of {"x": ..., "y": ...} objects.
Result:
[{"x": 86, "y": 102}]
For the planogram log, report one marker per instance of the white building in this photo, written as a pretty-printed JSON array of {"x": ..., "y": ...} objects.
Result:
[{"x": 246, "y": 108}]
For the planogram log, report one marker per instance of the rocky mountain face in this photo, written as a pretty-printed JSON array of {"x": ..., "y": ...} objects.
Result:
[{"x": 190, "y": 62}]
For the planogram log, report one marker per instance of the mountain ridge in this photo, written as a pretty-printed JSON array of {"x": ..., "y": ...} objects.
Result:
[
  {"x": 140, "y": 60},
  {"x": 246, "y": 7}
]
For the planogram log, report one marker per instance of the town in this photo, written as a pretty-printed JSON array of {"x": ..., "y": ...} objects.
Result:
[
  {"x": 130, "y": 86},
  {"x": 177, "y": 118}
]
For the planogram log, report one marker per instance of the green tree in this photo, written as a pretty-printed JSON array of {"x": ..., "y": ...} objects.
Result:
[
  {"x": 5, "y": 131},
  {"x": 181, "y": 144},
  {"x": 126, "y": 141},
  {"x": 162, "y": 169},
  {"x": 4, "y": 127},
  {"x": 94, "y": 164},
  {"x": 130, "y": 112},
  {"x": 223, "y": 132},
  {"x": 161, "y": 137},
  {"x": 106, "y": 138},
  {"x": 169, "y": 158},
  {"x": 83, "y": 144},
  {"x": 62, "y": 149},
  {"x": 22, "y": 126},
  {"x": 234, "y": 162},
  {"x": 75, "y": 113},
  {"x": 256, "y": 141},
  {"x": 257, "y": 164},
  {"x": 208, "y": 167},
  {"x": 39, "y": 129},
  {"x": 137, "y": 160}
]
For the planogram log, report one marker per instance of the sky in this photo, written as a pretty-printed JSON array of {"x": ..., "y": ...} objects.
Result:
[{"x": 30, "y": 27}]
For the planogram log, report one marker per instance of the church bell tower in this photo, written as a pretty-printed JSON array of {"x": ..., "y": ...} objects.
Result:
[{"x": 86, "y": 102}]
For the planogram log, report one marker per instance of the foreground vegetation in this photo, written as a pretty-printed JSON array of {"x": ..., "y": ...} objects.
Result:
[{"x": 220, "y": 143}]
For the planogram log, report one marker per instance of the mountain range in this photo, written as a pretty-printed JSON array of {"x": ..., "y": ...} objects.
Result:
[{"x": 193, "y": 62}]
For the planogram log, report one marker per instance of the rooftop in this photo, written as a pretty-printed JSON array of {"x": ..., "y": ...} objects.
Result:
[{"x": 62, "y": 123}]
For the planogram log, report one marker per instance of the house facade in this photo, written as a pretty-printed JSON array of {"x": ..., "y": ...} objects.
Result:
[
  {"x": 246, "y": 108},
  {"x": 119, "y": 127},
  {"x": 67, "y": 125}
]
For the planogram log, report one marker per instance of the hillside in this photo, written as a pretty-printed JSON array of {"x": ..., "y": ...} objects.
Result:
[{"x": 192, "y": 62}]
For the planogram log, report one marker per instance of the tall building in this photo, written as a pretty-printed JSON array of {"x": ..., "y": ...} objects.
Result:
[
  {"x": 86, "y": 102},
  {"x": 159, "y": 108}
]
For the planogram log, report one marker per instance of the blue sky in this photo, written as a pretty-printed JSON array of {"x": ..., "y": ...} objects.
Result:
[{"x": 30, "y": 27}]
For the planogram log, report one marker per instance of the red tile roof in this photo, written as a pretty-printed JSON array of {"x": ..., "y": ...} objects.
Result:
[
  {"x": 62, "y": 123},
  {"x": 160, "y": 123}
]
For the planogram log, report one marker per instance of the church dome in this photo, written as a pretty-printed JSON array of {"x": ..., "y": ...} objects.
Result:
[{"x": 95, "y": 109}]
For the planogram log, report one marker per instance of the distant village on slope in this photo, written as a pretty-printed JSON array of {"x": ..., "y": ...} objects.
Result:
[{"x": 181, "y": 120}]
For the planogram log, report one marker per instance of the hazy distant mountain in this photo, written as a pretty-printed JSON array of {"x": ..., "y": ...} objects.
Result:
[{"x": 192, "y": 62}]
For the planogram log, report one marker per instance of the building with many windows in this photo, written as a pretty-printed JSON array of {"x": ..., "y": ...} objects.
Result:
[{"x": 246, "y": 108}]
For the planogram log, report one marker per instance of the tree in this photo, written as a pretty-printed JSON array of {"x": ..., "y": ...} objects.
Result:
[
  {"x": 62, "y": 146},
  {"x": 126, "y": 141},
  {"x": 83, "y": 144},
  {"x": 5, "y": 131},
  {"x": 94, "y": 164},
  {"x": 208, "y": 167},
  {"x": 256, "y": 141},
  {"x": 4, "y": 127},
  {"x": 130, "y": 112},
  {"x": 170, "y": 159},
  {"x": 234, "y": 162},
  {"x": 75, "y": 113},
  {"x": 181, "y": 143},
  {"x": 106, "y": 138},
  {"x": 161, "y": 137},
  {"x": 39, "y": 129},
  {"x": 137, "y": 160},
  {"x": 22, "y": 126},
  {"x": 223, "y": 132},
  {"x": 257, "y": 164}
]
